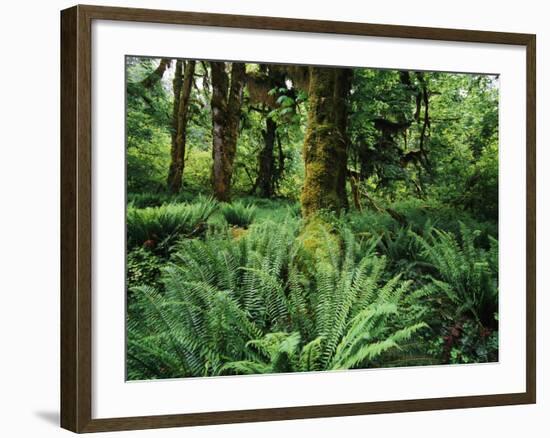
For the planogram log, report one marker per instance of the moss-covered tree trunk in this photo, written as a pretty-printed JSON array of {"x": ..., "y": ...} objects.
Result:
[
  {"x": 177, "y": 83},
  {"x": 325, "y": 144},
  {"x": 180, "y": 116},
  {"x": 265, "y": 182},
  {"x": 226, "y": 102}
]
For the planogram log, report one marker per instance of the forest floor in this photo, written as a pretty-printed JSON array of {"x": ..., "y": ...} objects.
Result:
[{"x": 240, "y": 288}]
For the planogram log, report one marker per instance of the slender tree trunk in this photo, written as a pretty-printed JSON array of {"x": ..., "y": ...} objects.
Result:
[
  {"x": 265, "y": 182},
  {"x": 226, "y": 106},
  {"x": 426, "y": 121},
  {"x": 325, "y": 145},
  {"x": 179, "y": 126},
  {"x": 281, "y": 165},
  {"x": 177, "y": 83}
]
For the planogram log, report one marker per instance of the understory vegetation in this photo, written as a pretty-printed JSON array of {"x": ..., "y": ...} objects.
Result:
[
  {"x": 289, "y": 219},
  {"x": 245, "y": 295}
]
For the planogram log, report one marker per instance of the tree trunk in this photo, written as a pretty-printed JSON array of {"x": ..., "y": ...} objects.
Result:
[
  {"x": 179, "y": 125},
  {"x": 325, "y": 145},
  {"x": 226, "y": 106},
  {"x": 177, "y": 83},
  {"x": 281, "y": 167},
  {"x": 265, "y": 182}
]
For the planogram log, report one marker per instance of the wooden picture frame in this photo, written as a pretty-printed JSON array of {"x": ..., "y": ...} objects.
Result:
[{"x": 76, "y": 218}]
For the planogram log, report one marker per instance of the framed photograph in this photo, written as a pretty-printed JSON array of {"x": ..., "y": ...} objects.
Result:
[{"x": 270, "y": 218}]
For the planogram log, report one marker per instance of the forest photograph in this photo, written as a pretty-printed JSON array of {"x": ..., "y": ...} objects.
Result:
[{"x": 298, "y": 218}]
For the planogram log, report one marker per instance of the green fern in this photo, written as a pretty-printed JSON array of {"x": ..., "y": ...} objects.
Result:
[
  {"x": 262, "y": 304},
  {"x": 464, "y": 272},
  {"x": 160, "y": 227},
  {"x": 239, "y": 214}
]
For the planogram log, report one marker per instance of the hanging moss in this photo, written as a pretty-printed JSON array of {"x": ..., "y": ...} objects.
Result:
[{"x": 259, "y": 86}]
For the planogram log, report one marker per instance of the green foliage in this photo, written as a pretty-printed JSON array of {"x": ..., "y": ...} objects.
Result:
[
  {"x": 418, "y": 215},
  {"x": 142, "y": 267},
  {"x": 239, "y": 214},
  {"x": 197, "y": 172},
  {"x": 160, "y": 227},
  {"x": 409, "y": 278},
  {"x": 146, "y": 199},
  {"x": 451, "y": 156},
  {"x": 147, "y": 128},
  {"x": 259, "y": 304},
  {"x": 156, "y": 199},
  {"x": 481, "y": 194},
  {"x": 464, "y": 272},
  {"x": 475, "y": 344},
  {"x": 275, "y": 209}
]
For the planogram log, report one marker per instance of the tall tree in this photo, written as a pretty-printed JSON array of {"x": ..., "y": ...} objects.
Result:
[
  {"x": 180, "y": 115},
  {"x": 177, "y": 83},
  {"x": 266, "y": 168},
  {"x": 267, "y": 89},
  {"x": 325, "y": 144},
  {"x": 227, "y": 92}
]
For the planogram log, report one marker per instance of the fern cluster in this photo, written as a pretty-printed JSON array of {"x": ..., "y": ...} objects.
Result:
[
  {"x": 260, "y": 304},
  {"x": 271, "y": 296},
  {"x": 156, "y": 199},
  {"x": 239, "y": 214},
  {"x": 465, "y": 272},
  {"x": 162, "y": 226}
]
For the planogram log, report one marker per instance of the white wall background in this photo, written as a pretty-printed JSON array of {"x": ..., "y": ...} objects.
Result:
[{"x": 29, "y": 216}]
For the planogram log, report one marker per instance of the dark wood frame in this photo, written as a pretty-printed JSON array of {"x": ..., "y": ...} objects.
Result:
[{"x": 76, "y": 243}]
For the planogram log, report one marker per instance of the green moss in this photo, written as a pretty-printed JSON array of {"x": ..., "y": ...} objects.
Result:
[
  {"x": 325, "y": 154},
  {"x": 238, "y": 233},
  {"x": 318, "y": 238},
  {"x": 322, "y": 173}
]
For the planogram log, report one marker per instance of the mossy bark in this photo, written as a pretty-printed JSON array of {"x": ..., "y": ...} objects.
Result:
[
  {"x": 319, "y": 239},
  {"x": 325, "y": 145},
  {"x": 299, "y": 75},
  {"x": 177, "y": 83},
  {"x": 226, "y": 106},
  {"x": 266, "y": 160},
  {"x": 180, "y": 116}
]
